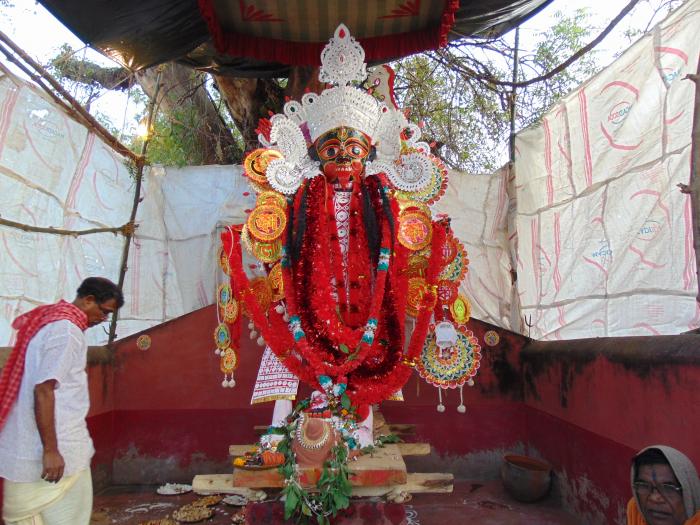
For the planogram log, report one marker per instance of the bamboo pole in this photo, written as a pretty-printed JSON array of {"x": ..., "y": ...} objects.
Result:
[
  {"x": 134, "y": 208},
  {"x": 73, "y": 107},
  {"x": 515, "y": 321},
  {"x": 693, "y": 187}
]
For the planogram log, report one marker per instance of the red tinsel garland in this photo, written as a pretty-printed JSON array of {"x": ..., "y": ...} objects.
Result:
[{"x": 373, "y": 372}]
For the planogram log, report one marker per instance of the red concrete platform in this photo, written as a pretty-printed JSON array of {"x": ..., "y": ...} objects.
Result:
[{"x": 483, "y": 503}]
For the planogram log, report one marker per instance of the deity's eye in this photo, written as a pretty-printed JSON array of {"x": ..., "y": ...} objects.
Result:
[
  {"x": 329, "y": 152},
  {"x": 356, "y": 150}
]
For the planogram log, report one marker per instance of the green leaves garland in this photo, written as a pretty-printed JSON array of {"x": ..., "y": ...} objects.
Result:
[{"x": 333, "y": 489}]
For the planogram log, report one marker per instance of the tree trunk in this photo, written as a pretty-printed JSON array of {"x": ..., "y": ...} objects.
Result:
[
  {"x": 249, "y": 100},
  {"x": 182, "y": 92}
]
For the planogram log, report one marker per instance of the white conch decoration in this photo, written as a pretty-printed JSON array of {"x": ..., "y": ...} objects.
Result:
[{"x": 344, "y": 104}]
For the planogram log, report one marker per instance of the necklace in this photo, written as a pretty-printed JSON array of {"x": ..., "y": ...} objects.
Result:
[{"x": 311, "y": 444}]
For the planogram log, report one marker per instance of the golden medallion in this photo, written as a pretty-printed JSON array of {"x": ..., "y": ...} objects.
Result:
[
  {"x": 446, "y": 291},
  {"x": 266, "y": 223},
  {"x": 417, "y": 288},
  {"x": 461, "y": 309},
  {"x": 415, "y": 230},
  {"x": 223, "y": 262},
  {"x": 268, "y": 252},
  {"x": 230, "y": 311},
  {"x": 417, "y": 265},
  {"x": 276, "y": 284},
  {"x": 229, "y": 360},
  {"x": 272, "y": 197},
  {"x": 255, "y": 164},
  {"x": 262, "y": 292}
]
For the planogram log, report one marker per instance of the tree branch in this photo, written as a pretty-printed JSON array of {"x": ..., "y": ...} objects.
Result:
[
  {"x": 491, "y": 79},
  {"x": 125, "y": 229}
]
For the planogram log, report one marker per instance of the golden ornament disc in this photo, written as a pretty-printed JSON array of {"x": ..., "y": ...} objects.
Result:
[
  {"x": 417, "y": 288},
  {"x": 276, "y": 284},
  {"x": 491, "y": 338},
  {"x": 446, "y": 291},
  {"x": 223, "y": 262},
  {"x": 450, "y": 249},
  {"x": 230, "y": 311},
  {"x": 229, "y": 360},
  {"x": 417, "y": 265},
  {"x": 255, "y": 164},
  {"x": 143, "y": 342},
  {"x": 461, "y": 309},
  {"x": 224, "y": 294},
  {"x": 222, "y": 336},
  {"x": 272, "y": 197},
  {"x": 267, "y": 252},
  {"x": 266, "y": 223},
  {"x": 415, "y": 230},
  {"x": 245, "y": 239},
  {"x": 407, "y": 204},
  {"x": 262, "y": 291}
]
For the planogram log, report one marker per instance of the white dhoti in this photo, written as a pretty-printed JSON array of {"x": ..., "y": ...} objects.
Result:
[{"x": 68, "y": 502}]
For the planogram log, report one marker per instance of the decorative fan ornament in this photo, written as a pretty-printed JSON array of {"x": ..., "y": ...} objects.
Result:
[{"x": 451, "y": 367}]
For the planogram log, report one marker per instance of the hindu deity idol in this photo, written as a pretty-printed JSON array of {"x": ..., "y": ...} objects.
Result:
[{"x": 346, "y": 247}]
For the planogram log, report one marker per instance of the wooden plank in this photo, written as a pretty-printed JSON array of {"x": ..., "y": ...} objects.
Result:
[
  {"x": 400, "y": 429},
  {"x": 406, "y": 449},
  {"x": 416, "y": 483},
  {"x": 223, "y": 484},
  {"x": 414, "y": 449},
  {"x": 384, "y": 467},
  {"x": 436, "y": 483}
]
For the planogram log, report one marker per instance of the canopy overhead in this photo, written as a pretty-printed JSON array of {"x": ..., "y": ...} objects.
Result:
[{"x": 264, "y": 37}]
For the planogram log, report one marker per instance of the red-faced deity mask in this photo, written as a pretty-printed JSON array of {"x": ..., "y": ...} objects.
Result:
[{"x": 343, "y": 153}]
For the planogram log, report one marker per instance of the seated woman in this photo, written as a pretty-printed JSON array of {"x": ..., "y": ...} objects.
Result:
[{"x": 666, "y": 488}]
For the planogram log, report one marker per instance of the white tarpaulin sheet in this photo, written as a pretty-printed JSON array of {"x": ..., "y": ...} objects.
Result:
[
  {"x": 604, "y": 237},
  {"x": 601, "y": 236},
  {"x": 54, "y": 173},
  {"x": 478, "y": 207}
]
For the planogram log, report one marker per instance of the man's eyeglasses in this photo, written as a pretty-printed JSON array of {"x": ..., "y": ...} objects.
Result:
[
  {"x": 105, "y": 312},
  {"x": 667, "y": 490}
]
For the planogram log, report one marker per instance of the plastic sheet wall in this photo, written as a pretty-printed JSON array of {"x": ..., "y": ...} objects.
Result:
[
  {"x": 54, "y": 173},
  {"x": 604, "y": 237},
  {"x": 591, "y": 215}
]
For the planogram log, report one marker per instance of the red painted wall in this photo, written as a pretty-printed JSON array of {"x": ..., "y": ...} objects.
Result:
[
  {"x": 161, "y": 415},
  {"x": 596, "y": 402}
]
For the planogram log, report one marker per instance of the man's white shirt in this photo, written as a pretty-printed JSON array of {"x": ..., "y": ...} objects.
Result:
[{"x": 58, "y": 351}]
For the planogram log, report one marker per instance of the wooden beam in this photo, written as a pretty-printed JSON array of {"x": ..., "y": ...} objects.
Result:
[
  {"x": 406, "y": 449},
  {"x": 418, "y": 483}
]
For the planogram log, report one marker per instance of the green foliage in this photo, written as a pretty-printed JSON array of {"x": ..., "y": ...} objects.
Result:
[
  {"x": 466, "y": 115},
  {"x": 333, "y": 489}
]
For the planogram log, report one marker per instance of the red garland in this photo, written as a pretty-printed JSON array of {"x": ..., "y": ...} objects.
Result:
[
  {"x": 310, "y": 296},
  {"x": 375, "y": 371}
]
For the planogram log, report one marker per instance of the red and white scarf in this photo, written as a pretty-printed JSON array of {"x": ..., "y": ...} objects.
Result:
[{"x": 27, "y": 326}]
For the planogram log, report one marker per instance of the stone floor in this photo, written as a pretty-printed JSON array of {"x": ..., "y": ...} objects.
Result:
[{"x": 482, "y": 503}]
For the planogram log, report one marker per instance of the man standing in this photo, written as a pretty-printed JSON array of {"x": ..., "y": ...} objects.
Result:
[{"x": 45, "y": 447}]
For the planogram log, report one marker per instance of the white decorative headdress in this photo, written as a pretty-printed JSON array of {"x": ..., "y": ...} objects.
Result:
[{"x": 344, "y": 104}]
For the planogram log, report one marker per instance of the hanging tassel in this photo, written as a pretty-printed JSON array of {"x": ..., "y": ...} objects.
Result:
[
  {"x": 461, "y": 408},
  {"x": 440, "y": 407}
]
